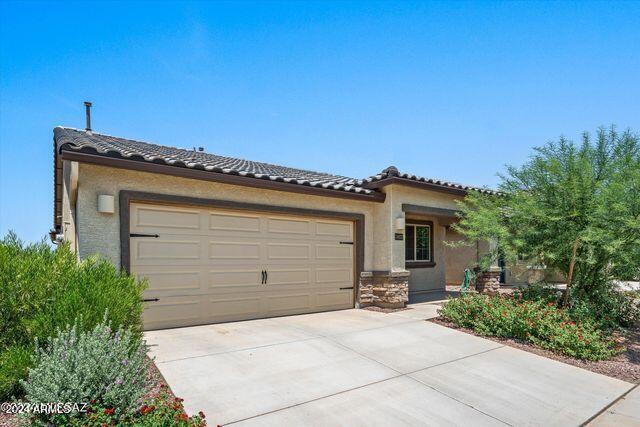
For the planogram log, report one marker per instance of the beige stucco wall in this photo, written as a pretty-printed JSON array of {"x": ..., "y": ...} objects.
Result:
[
  {"x": 421, "y": 279},
  {"x": 100, "y": 233},
  {"x": 415, "y": 196}
]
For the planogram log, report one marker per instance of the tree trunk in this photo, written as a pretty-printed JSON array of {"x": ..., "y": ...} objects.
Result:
[{"x": 565, "y": 302}]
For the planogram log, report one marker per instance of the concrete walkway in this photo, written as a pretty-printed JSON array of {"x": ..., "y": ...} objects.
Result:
[
  {"x": 624, "y": 413},
  {"x": 358, "y": 367}
]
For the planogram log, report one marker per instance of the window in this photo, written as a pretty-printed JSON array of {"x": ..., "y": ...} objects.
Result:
[{"x": 419, "y": 242}]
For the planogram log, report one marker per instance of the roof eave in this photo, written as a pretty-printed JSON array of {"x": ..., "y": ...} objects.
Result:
[
  {"x": 199, "y": 174},
  {"x": 417, "y": 184}
]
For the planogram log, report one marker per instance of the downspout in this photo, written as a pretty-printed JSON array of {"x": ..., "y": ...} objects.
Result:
[{"x": 73, "y": 201}]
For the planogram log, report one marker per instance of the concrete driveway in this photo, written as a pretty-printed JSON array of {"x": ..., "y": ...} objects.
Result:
[{"x": 358, "y": 367}]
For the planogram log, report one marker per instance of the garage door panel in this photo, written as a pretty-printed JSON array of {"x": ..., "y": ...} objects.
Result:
[
  {"x": 334, "y": 229},
  {"x": 150, "y": 249},
  {"x": 170, "y": 281},
  {"x": 334, "y": 276},
  {"x": 334, "y": 299},
  {"x": 281, "y": 304},
  {"x": 206, "y": 265},
  {"x": 279, "y": 277},
  {"x": 173, "y": 312},
  {"x": 288, "y": 226},
  {"x": 233, "y": 250},
  {"x": 166, "y": 218},
  {"x": 249, "y": 224},
  {"x": 334, "y": 252},
  {"x": 230, "y": 280},
  {"x": 230, "y": 308},
  {"x": 288, "y": 251}
]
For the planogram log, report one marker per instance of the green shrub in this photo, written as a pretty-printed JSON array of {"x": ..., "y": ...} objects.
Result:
[
  {"x": 607, "y": 306},
  {"x": 14, "y": 362},
  {"x": 43, "y": 289},
  {"x": 540, "y": 291},
  {"x": 538, "y": 322},
  {"x": 102, "y": 366},
  {"x": 162, "y": 411}
]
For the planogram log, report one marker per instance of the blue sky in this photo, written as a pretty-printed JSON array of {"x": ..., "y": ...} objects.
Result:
[{"x": 450, "y": 90}]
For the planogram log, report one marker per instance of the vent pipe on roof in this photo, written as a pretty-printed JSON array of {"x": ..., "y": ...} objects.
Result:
[{"x": 87, "y": 106}]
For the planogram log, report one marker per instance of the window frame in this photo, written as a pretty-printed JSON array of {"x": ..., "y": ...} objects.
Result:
[{"x": 413, "y": 263}]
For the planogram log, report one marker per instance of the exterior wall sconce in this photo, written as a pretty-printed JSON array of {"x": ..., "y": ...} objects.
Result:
[
  {"x": 400, "y": 223},
  {"x": 106, "y": 204}
]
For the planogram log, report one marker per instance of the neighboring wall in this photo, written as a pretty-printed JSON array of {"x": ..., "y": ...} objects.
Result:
[
  {"x": 430, "y": 278},
  {"x": 100, "y": 233},
  {"x": 523, "y": 274},
  {"x": 458, "y": 258}
]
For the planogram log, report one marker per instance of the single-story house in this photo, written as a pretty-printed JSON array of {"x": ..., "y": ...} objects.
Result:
[{"x": 222, "y": 239}]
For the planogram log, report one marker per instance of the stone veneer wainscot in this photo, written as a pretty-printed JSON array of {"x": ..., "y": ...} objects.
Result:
[{"x": 386, "y": 289}]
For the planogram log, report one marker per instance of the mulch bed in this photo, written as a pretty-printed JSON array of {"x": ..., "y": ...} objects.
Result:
[
  {"x": 9, "y": 420},
  {"x": 624, "y": 366},
  {"x": 156, "y": 380}
]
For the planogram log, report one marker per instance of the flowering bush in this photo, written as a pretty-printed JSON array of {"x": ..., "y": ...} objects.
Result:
[
  {"x": 162, "y": 411},
  {"x": 101, "y": 366},
  {"x": 539, "y": 322}
]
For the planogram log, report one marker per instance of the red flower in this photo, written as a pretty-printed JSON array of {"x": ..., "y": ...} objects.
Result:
[
  {"x": 109, "y": 411},
  {"x": 201, "y": 414},
  {"x": 146, "y": 409}
]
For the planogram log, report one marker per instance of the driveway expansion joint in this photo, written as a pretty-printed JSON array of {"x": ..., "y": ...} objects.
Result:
[
  {"x": 610, "y": 405},
  {"x": 400, "y": 374},
  {"x": 240, "y": 349}
]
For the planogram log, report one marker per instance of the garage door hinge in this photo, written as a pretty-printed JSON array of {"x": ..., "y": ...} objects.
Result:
[
  {"x": 346, "y": 243},
  {"x": 150, "y": 299},
  {"x": 143, "y": 235}
]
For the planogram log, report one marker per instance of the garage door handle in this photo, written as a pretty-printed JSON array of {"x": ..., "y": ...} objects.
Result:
[
  {"x": 348, "y": 287},
  {"x": 143, "y": 235},
  {"x": 150, "y": 299},
  {"x": 346, "y": 243},
  {"x": 266, "y": 276},
  {"x": 263, "y": 278}
]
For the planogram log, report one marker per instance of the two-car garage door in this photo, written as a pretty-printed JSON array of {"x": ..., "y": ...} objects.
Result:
[{"x": 210, "y": 265}]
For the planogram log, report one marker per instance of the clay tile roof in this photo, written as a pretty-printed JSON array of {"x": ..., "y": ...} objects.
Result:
[
  {"x": 81, "y": 141},
  {"x": 392, "y": 172},
  {"x": 75, "y": 140}
]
